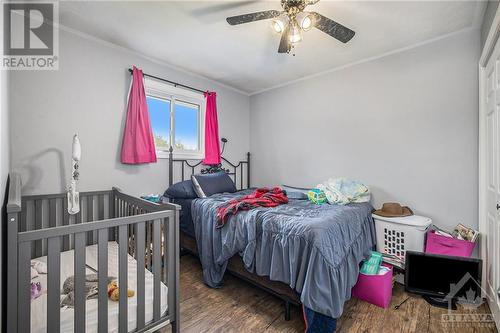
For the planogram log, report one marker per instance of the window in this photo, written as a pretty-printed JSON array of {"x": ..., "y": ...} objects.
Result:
[
  {"x": 159, "y": 114},
  {"x": 176, "y": 117},
  {"x": 187, "y": 127}
]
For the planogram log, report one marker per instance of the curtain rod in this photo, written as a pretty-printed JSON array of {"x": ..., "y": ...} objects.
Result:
[{"x": 175, "y": 84}]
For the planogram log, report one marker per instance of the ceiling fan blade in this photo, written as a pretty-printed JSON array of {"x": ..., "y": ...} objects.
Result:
[
  {"x": 285, "y": 45},
  {"x": 311, "y": 2},
  {"x": 334, "y": 29},
  {"x": 246, "y": 18}
]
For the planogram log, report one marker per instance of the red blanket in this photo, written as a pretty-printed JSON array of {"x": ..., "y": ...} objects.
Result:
[{"x": 262, "y": 197}]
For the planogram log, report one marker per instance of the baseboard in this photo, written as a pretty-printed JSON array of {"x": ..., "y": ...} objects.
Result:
[{"x": 494, "y": 307}]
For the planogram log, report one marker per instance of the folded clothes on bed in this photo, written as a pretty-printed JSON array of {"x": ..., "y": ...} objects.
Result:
[
  {"x": 261, "y": 197},
  {"x": 341, "y": 191}
]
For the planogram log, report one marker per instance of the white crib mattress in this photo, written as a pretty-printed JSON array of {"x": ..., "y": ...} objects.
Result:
[{"x": 39, "y": 308}]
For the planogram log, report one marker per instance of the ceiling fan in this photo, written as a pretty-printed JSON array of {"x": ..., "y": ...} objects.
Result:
[{"x": 293, "y": 20}]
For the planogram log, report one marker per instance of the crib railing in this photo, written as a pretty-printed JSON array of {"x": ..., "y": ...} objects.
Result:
[
  {"x": 48, "y": 211},
  {"x": 145, "y": 230}
]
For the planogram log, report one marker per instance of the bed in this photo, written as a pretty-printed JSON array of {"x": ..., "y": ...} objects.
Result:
[
  {"x": 113, "y": 235},
  {"x": 316, "y": 250},
  {"x": 285, "y": 250}
]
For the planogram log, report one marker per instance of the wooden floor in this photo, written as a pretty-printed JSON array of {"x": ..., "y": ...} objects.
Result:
[{"x": 240, "y": 307}]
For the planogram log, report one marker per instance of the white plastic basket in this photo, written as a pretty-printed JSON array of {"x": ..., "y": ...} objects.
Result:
[{"x": 396, "y": 235}]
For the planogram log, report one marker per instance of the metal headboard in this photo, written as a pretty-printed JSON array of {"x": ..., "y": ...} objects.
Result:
[{"x": 239, "y": 171}]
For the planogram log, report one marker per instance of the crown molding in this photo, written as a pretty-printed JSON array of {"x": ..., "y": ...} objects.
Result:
[
  {"x": 146, "y": 57},
  {"x": 478, "y": 17},
  {"x": 366, "y": 60}
]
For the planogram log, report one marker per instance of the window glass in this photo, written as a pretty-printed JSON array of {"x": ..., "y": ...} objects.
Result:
[
  {"x": 159, "y": 114},
  {"x": 186, "y": 126}
]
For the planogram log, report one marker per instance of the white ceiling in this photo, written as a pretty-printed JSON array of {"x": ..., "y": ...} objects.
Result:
[{"x": 193, "y": 35}]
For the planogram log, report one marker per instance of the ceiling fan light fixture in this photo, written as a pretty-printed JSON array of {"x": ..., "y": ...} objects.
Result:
[
  {"x": 305, "y": 21},
  {"x": 278, "y": 24},
  {"x": 295, "y": 34},
  {"x": 293, "y": 21}
]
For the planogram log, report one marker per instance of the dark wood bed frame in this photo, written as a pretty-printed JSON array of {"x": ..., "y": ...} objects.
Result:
[{"x": 239, "y": 172}]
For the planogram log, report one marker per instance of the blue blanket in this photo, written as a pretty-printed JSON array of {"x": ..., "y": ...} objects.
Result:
[{"x": 316, "y": 250}]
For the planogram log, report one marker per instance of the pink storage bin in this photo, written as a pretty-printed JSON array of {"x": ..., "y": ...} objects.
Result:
[
  {"x": 374, "y": 289},
  {"x": 438, "y": 244}
]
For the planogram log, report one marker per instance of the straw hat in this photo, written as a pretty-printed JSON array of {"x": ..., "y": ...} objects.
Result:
[{"x": 393, "y": 209}]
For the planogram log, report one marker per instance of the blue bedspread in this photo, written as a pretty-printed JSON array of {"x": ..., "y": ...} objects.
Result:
[{"x": 316, "y": 250}]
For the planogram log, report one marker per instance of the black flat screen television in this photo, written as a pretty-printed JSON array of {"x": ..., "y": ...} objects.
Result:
[{"x": 432, "y": 274}]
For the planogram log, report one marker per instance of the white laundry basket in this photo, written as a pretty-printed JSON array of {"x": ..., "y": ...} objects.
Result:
[{"x": 396, "y": 235}]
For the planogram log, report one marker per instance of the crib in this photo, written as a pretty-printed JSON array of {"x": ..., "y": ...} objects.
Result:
[{"x": 114, "y": 233}]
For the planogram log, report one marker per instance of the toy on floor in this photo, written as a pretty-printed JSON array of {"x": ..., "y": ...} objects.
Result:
[{"x": 114, "y": 291}]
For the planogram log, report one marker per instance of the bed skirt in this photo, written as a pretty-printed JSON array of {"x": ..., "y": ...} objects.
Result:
[{"x": 237, "y": 268}]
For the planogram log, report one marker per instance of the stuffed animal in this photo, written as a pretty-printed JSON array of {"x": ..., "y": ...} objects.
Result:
[{"x": 114, "y": 291}]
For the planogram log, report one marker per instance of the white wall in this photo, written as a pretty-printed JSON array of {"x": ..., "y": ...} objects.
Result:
[
  {"x": 405, "y": 124},
  {"x": 87, "y": 95}
]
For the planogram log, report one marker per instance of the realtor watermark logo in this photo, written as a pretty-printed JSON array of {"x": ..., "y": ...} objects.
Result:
[
  {"x": 30, "y": 35},
  {"x": 468, "y": 314}
]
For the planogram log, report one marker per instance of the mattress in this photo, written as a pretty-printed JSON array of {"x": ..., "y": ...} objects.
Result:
[{"x": 39, "y": 308}]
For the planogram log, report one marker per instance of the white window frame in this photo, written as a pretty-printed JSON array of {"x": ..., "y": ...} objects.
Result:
[{"x": 163, "y": 90}]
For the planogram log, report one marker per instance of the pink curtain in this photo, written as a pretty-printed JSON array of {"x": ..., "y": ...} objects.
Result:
[
  {"x": 138, "y": 143},
  {"x": 212, "y": 145}
]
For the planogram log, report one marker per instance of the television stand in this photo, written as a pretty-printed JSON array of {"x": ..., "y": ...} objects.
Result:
[{"x": 440, "y": 302}]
